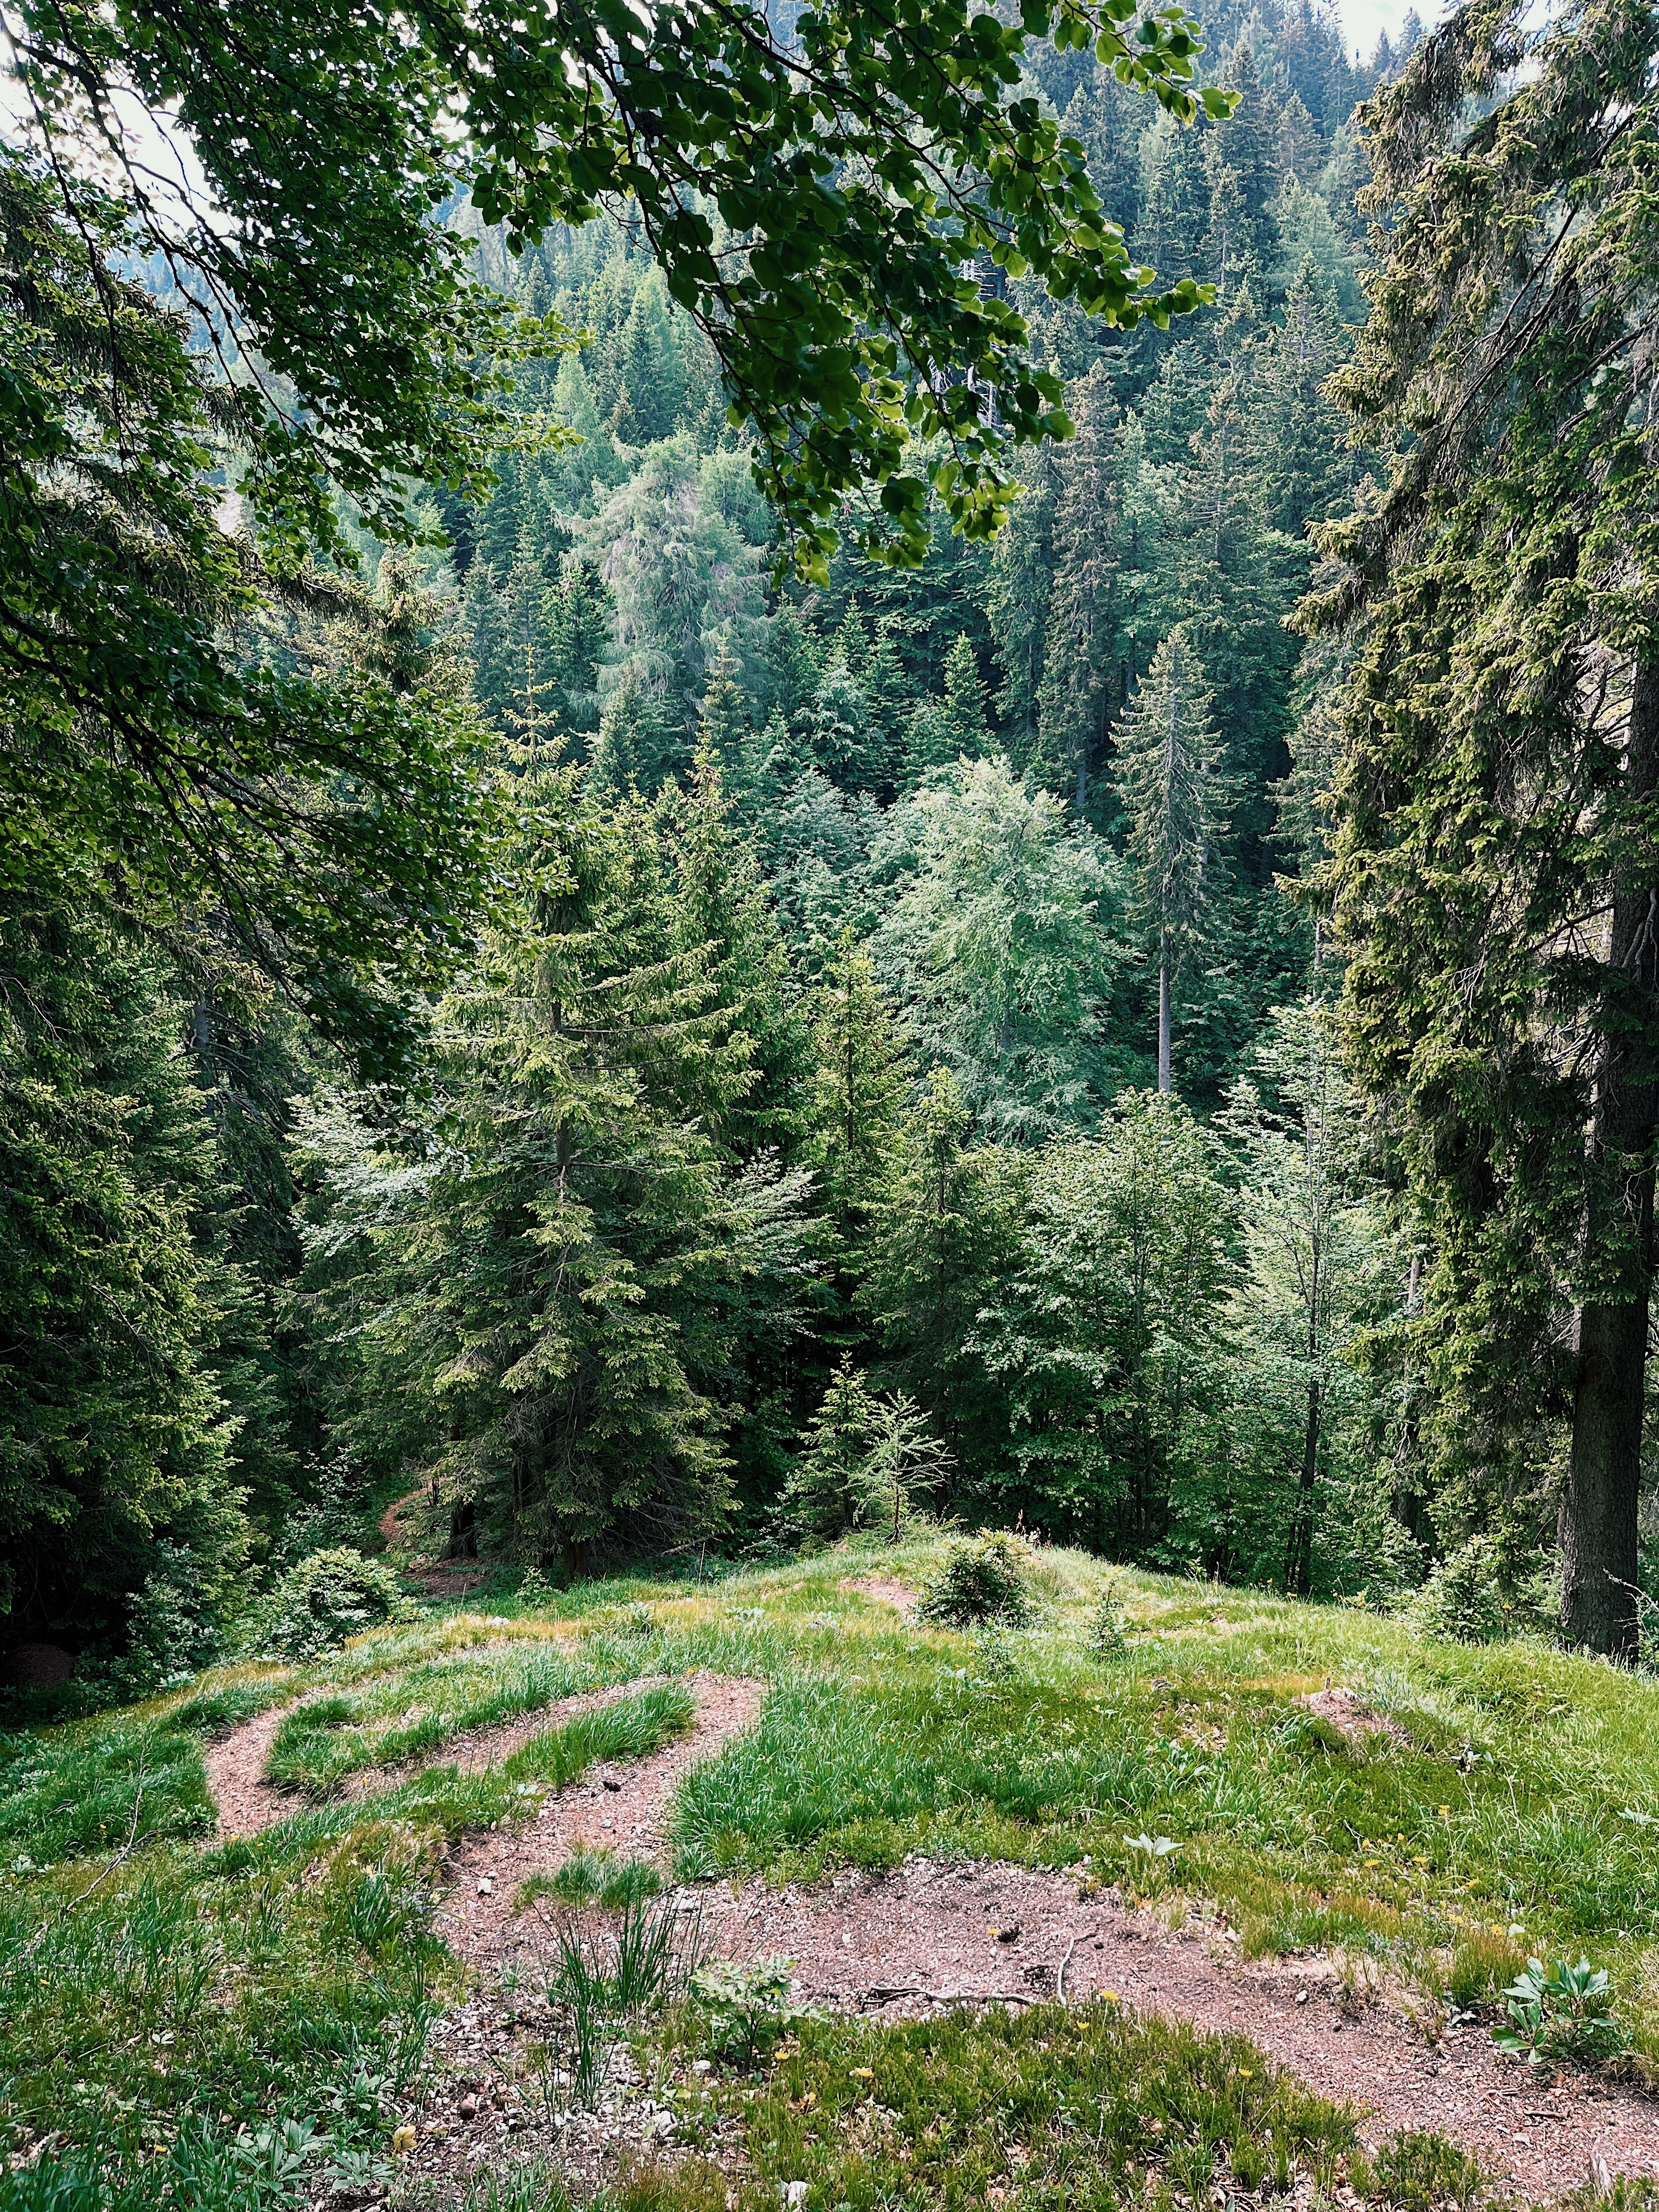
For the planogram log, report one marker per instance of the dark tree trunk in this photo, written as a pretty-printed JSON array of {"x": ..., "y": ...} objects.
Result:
[
  {"x": 1298, "y": 1567},
  {"x": 1598, "y": 1511},
  {"x": 1164, "y": 1078}
]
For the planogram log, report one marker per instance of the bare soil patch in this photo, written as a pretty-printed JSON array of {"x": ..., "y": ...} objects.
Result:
[
  {"x": 886, "y": 1592},
  {"x": 617, "y": 1807},
  {"x": 902, "y": 1943},
  {"x": 1353, "y": 1717}
]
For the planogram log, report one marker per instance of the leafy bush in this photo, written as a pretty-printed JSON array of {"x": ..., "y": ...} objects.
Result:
[
  {"x": 1106, "y": 1637},
  {"x": 325, "y": 1599},
  {"x": 982, "y": 1579}
]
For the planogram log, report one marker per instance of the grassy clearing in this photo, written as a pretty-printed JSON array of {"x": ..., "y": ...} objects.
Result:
[{"x": 202, "y": 2000}]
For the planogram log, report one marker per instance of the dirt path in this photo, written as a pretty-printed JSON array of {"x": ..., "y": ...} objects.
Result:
[
  {"x": 872, "y": 1944},
  {"x": 248, "y": 1802},
  {"x": 619, "y": 1808},
  {"x": 235, "y": 1766}
]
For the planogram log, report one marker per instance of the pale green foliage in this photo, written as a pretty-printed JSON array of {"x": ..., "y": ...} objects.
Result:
[
  {"x": 1292, "y": 1498},
  {"x": 325, "y": 1599},
  {"x": 1005, "y": 941},
  {"x": 1106, "y": 1338},
  {"x": 832, "y": 1488},
  {"x": 865, "y": 1459}
]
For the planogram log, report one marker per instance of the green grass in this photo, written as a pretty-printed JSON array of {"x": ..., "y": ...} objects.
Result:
[
  {"x": 389, "y": 1717},
  {"x": 91, "y": 1784},
  {"x": 294, "y": 1973},
  {"x": 1084, "y": 2110},
  {"x": 593, "y": 1878}
]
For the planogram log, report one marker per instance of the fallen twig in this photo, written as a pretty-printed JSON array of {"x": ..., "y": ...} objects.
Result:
[{"x": 65, "y": 1910}]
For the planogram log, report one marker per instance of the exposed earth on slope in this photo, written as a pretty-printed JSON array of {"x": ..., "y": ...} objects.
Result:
[{"x": 931, "y": 1936}]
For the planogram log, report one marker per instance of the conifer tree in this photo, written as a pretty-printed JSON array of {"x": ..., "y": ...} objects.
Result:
[
  {"x": 858, "y": 1093},
  {"x": 1079, "y": 693},
  {"x": 723, "y": 728},
  {"x": 1296, "y": 431},
  {"x": 1495, "y": 877},
  {"x": 835, "y": 1486},
  {"x": 636, "y": 748},
  {"x": 946, "y": 1233},
  {"x": 966, "y": 731},
  {"x": 530, "y": 1314},
  {"x": 651, "y": 373},
  {"x": 1017, "y": 602},
  {"x": 1170, "y": 782}
]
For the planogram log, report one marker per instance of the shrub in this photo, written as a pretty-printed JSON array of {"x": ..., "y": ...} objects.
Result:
[
  {"x": 1463, "y": 1598},
  {"x": 982, "y": 1579},
  {"x": 1106, "y": 1637},
  {"x": 325, "y": 1599}
]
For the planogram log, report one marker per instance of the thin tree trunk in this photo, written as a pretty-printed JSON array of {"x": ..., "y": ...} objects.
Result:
[
  {"x": 1597, "y": 1525},
  {"x": 1163, "y": 1020},
  {"x": 1299, "y": 1566}
]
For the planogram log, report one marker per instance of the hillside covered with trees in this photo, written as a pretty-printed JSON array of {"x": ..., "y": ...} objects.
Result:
[{"x": 694, "y": 870}]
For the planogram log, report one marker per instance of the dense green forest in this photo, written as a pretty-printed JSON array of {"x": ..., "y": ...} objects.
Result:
[{"x": 683, "y": 962}]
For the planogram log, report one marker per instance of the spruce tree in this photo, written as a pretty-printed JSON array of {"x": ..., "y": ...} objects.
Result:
[
  {"x": 1495, "y": 873},
  {"x": 1169, "y": 778},
  {"x": 723, "y": 726},
  {"x": 1017, "y": 601},
  {"x": 966, "y": 731},
  {"x": 858, "y": 1093},
  {"x": 1079, "y": 693}
]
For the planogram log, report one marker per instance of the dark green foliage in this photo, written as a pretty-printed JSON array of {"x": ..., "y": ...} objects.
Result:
[
  {"x": 1494, "y": 862},
  {"x": 981, "y": 1580},
  {"x": 113, "y": 1436}
]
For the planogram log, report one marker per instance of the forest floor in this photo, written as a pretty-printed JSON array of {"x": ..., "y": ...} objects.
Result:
[{"x": 720, "y": 1897}]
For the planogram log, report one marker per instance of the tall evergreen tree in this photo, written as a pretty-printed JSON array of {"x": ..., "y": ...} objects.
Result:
[
  {"x": 1171, "y": 782},
  {"x": 1079, "y": 688},
  {"x": 1496, "y": 870}
]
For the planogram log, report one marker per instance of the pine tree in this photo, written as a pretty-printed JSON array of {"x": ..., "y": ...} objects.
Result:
[
  {"x": 1170, "y": 782},
  {"x": 540, "y": 1313},
  {"x": 837, "y": 727},
  {"x": 967, "y": 733},
  {"x": 114, "y": 1442},
  {"x": 1079, "y": 692},
  {"x": 576, "y": 620}
]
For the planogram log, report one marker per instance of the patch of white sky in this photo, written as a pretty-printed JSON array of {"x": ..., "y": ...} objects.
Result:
[{"x": 1363, "y": 21}]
